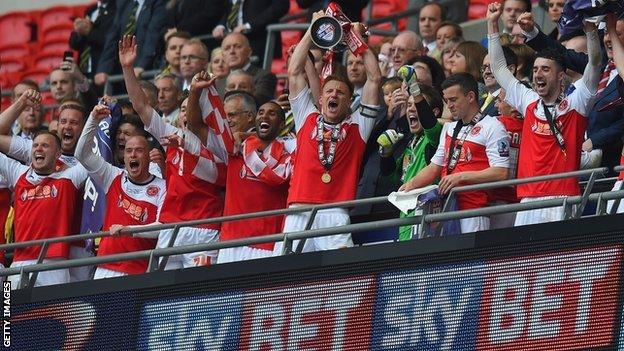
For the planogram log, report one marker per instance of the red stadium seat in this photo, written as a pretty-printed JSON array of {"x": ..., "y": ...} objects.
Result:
[
  {"x": 79, "y": 10},
  {"x": 477, "y": 9},
  {"x": 47, "y": 99},
  {"x": 59, "y": 31},
  {"x": 39, "y": 75},
  {"x": 5, "y": 102},
  {"x": 54, "y": 45},
  {"x": 13, "y": 64},
  {"x": 15, "y": 28},
  {"x": 14, "y": 50},
  {"x": 9, "y": 79},
  {"x": 55, "y": 16},
  {"x": 48, "y": 60}
]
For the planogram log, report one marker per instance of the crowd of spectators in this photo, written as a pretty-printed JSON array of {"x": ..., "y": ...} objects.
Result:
[{"x": 212, "y": 134}]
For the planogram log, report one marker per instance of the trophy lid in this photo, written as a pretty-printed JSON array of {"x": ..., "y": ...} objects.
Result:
[{"x": 326, "y": 32}]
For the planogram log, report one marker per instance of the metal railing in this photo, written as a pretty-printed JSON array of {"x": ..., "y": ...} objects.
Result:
[{"x": 288, "y": 238}]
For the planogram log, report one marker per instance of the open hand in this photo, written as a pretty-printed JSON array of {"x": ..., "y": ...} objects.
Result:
[
  {"x": 449, "y": 182},
  {"x": 127, "y": 50}
]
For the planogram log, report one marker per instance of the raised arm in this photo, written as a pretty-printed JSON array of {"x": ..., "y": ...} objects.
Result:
[
  {"x": 85, "y": 146},
  {"x": 194, "y": 118},
  {"x": 30, "y": 98},
  {"x": 127, "y": 56},
  {"x": 370, "y": 91},
  {"x": 297, "y": 64},
  {"x": 498, "y": 64},
  {"x": 592, "y": 73}
]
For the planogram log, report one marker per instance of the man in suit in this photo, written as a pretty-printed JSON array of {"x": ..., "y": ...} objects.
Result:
[
  {"x": 491, "y": 85},
  {"x": 237, "y": 54},
  {"x": 605, "y": 128},
  {"x": 143, "y": 19},
  {"x": 89, "y": 35},
  {"x": 251, "y": 18}
]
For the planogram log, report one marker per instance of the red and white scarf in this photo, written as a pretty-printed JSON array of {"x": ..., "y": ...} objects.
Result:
[
  {"x": 272, "y": 166},
  {"x": 214, "y": 117}
]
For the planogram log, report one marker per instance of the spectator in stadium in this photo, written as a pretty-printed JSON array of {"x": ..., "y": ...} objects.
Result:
[
  {"x": 144, "y": 19},
  {"x": 196, "y": 17},
  {"x": 430, "y": 18},
  {"x": 446, "y": 31},
  {"x": 219, "y": 68},
  {"x": 193, "y": 59},
  {"x": 403, "y": 157},
  {"x": 129, "y": 126},
  {"x": 35, "y": 185},
  {"x": 330, "y": 143},
  {"x": 384, "y": 57},
  {"x": 356, "y": 73},
  {"x": 405, "y": 46},
  {"x": 25, "y": 109},
  {"x": 134, "y": 197},
  {"x": 491, "y": 85},
  {"x": 526, "y": 56},
  {"x": 468, "y": 58},
  {"x": 168, "y": 96},
  {"x": 193, "y": 186},
  {"x": 240, "y": 111},
  {"x": 250, "y": 18},
  {"x": 240, "y": 80},
  {"x": 150, "y": 91},
  {"x": 237, "y": 55},
  {"x": 511, "y": 11},
  {"x": 471, "y": 133},
  {"x": 428, "y": 71},
  {"x": 262, "y": 168},
  {"x": 555, "y": 7},
  {"x": 89, "y": 34},
  {"x": 448, "y": 52},
  {"x": 173, "y": 49},
  {"x": 605, "y": 123},
  {"x": 556, "y": 125}
]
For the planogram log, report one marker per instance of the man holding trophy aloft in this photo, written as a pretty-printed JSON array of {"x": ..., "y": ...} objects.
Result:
[{"x": 330, "y": 142}]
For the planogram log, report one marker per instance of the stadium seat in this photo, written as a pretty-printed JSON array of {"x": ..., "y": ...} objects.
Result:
[
  {"x": 12, "y": 64},
  {"x": 14, "y": 50},
  {"x": 79, "y": 10},
  {"x": 48, "y": 60},
  {"x": 54, "y": 45},
  {"x": 16, "y": 28},
  {"x": 9, "y": 79},
  {"x": 56, "y": 32},
  {"x": 39, "y": 75},
  {"x": 5, "y": 102},
  {"x": 55, "y": 16},
  {"x": 477, "y": 9}
]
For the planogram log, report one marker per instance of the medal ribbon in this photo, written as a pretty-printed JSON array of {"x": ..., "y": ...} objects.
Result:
[
  {"x": 457, "y": 144},
  {"x": 335, "y": 134}
]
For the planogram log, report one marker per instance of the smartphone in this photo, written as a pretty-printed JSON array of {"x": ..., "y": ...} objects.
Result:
[{"x": 68, "y": 56}]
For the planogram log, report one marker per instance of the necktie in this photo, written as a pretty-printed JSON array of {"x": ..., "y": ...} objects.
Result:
[
  {"x": 232, "y": 19},
  {"x": 83, "y": 60},
  {"x": 488, "y": 99},
  {"x": 131, "y": 24},
  {"x": 604, "y": 79}
]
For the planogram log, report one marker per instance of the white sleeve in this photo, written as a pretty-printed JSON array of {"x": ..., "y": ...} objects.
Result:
[
  {"x": 78, "y": 175},
  {"x": 20, "y": 149},
  {"x": 159, "y": 128},
  {"x": 302, "y": 105},
  {"x": 155, "y": 170},
  {"x": 497, "y": 144},
  {"x": 365, "y": 117},
  {"x": 581, "y": 98},
  {"x": 87, "y": 153},
  {"x": 11, "y": 170},
  {"x": 438, "y": 157}
]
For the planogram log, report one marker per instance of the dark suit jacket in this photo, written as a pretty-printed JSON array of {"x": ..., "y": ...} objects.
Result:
[
  {"x": 198, "y": 17},
  {"x": 149, "y": 24},
  {"x": 351, "y": 8},
  {"x": 264, "y": 82},
  {"x": 259, "y": 14},
  {"x": 490, "y": 109},
  {"x": 97, "y": 37}
]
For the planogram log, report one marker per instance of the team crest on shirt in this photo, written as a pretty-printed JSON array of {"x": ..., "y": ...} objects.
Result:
[
  {"x": 133, "y": 210},
  {"x": 475, "y": 130},
  {"x": 152, "y": 190},
  {"x": 39, "y": 192},
  {"x": 563, "y": 106}
]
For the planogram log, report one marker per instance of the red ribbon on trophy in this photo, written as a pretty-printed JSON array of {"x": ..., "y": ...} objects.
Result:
[{"x": 335, "y": 32}]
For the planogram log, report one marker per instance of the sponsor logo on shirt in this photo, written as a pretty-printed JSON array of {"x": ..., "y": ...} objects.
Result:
[
  {"x": 39, "y": 192},
  {"x": 503, "y": 148},
  {"x": 543, "y": 128},
  {"x": 133, "y": 210}
]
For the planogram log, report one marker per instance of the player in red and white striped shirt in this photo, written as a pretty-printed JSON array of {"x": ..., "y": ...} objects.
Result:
[
  {"x": 46, "y": 203},
  {"x": 195, "y": 175},
  {"x": 133, "y": 195},
  {"x": 330, "y": 144}
]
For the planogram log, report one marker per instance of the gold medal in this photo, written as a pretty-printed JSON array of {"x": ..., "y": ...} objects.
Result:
[{"x": 326, "y": 178}]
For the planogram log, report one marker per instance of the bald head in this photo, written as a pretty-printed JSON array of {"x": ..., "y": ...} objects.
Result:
[
  {"x": 236, "y": 50},
  {"x": 405, "y": 46}
]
